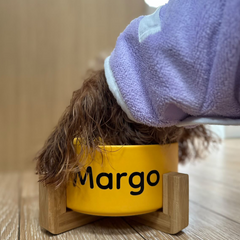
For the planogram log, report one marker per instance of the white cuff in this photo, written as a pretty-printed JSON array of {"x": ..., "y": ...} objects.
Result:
[
  {"x": 208, "y": 120},
  {"x": 114, "y": 88}
]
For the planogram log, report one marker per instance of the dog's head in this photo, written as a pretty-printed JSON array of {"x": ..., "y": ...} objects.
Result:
[{"x": 95, "y": 118}]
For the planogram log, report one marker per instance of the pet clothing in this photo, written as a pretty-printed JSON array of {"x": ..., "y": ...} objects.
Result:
[{"x": 180, "y": 65}]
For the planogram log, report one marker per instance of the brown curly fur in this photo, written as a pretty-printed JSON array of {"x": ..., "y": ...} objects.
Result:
[{"x": 95, "y": 118}]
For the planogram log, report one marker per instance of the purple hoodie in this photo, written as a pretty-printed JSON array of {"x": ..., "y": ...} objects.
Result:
[{"x": 180, "y": 65}]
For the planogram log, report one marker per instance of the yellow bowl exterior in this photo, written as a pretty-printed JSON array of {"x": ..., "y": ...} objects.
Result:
[{"x": 126, "y": 180}]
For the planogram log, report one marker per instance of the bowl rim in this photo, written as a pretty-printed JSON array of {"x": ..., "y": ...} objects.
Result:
[{"x": 130, "y": 146}]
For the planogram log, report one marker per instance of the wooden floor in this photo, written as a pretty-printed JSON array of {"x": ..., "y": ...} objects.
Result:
[{"x": 214, "y": 205}]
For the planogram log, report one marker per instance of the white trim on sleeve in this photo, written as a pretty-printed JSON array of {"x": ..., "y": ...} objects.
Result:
[
  {"x": 208, "y": 120},
  {"x": 149, "y": 25},
  {"x": 114, "y": 88}
]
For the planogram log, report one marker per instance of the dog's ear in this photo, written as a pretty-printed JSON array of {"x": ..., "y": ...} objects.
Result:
[
  {"x": 58, "y": 157},
  {"x": 53, "y": 159},
  {"x": 196, "y": 143}
]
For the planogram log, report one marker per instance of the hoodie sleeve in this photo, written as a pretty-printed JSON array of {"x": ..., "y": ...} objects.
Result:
[{"x": 180, "y": 65}]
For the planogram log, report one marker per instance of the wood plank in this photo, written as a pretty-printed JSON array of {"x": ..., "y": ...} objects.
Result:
[
  {"x": 204, "y": 224},
  {"x": 216, "y": 197},
  {"x": 215, "y": 183},
  {"x": 224, "y": 157},
  {"x": 9, "y": 206},
  {"x": 221, "y": 175}
]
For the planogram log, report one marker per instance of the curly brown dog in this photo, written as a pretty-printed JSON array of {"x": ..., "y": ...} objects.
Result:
[{"x": 95, "y": 118}]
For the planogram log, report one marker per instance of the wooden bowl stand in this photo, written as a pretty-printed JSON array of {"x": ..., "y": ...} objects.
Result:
[{"x": 172, "y": 218}]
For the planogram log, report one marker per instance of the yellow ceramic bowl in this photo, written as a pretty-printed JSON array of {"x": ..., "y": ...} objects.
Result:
[{"x": 126, "y": 181}]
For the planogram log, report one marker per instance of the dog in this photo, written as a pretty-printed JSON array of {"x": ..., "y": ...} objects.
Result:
[{"x": 95, "y": 119}]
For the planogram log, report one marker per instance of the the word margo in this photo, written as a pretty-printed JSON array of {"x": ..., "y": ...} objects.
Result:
[{"x": 119, "y": 177}]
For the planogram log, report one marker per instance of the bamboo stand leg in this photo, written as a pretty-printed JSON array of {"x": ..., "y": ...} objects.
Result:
[
  {"x": 53, "y": 213},
  {"x": 175, "y": 213}
]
